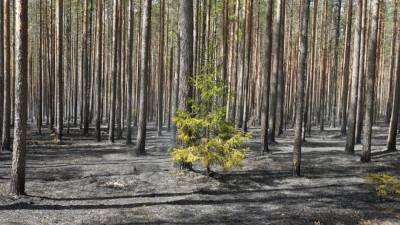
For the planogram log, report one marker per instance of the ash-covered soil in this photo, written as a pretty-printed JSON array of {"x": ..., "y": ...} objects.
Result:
[{"x": 83, "y": 182}]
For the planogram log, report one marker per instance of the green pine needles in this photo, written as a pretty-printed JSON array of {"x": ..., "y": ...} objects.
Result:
[{"x": 205, "y": 135}]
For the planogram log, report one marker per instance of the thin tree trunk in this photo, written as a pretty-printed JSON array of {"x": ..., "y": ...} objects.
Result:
[
  {"x": 130, "y": 70},
  {"x": 301, "y": 74},
  {"x": 161, "y": 72},
  {"x": 6, "y": 139},
  {"x": 99, "y": 64},
  {"x": 60, "y": 69},
  {"x": 111, "y": 135},
  {"x": 346, "y": 68}
]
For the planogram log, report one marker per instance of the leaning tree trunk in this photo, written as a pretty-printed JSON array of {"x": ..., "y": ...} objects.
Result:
[
  {"x": 60, "y": 70},
  {"x": 301, "y": 74},
  {"x": 17, "y": 184},
  {"x": 351, "y": 123},
  {"x": 144, "y": 73},
  {"x": 369, "y": 90}
]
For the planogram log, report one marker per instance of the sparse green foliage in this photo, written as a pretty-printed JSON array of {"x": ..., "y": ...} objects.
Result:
[
  {"x": 385, "y": 184},
  {"x": 205, "y": 134}
]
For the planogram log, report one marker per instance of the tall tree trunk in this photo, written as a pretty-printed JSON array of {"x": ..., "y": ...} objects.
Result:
[
  {"x": 86, "y": 64},
  {"x": 144, "y": 73},
  {"x": 391, "y": 142},
  {"x": 186, "y": 54},
  {"x": 275, "y": 71},
  {"x": 130, "y": 70},
  {"x": 114, "y": 65},
  {"x": 6, "y": 139},
  {"x": 161, "y": 72},
  {"x": 60, "y": 69},
  {"x": 301, "y": 74},
  {"x": 371, "y": 72},
  {"x": 361, "y": 79},
  {"x": 266, "y": 78},
  {"x": 346, "y": 68},
  {"x": 17, "y": 184},
  {"x": 354, "y": 80},
  {"x": 99, "y": 64},
  {"x": 1, "y": 66}
]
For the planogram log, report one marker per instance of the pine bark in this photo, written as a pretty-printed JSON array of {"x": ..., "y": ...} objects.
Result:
[
  {"x": 17, "y": 184},
  {"x": 266, "y": 78},
  {"x": 370, "y": 80},
  {"x": 394, "y": 121},
  {"x": 301, "y": 74},
  {"x": 60, "y": 69},
  {"x": 99, "y": 66},
  {"x": 111, "y": 135},
  {"x": 186, "y": 54},
  {"x": 346, "y": 68},
  {"x": 275, "y": 71},
  {"x": 144, "y": 73},
  {"x": 6, "y": 139},
  {"x": 130, "y": 70},
  {"x": 161, "y": 72},
  {"x": 351, "y": 123}
]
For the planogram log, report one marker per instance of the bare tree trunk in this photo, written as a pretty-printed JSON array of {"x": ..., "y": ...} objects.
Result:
[
  {"x": 60, "y": 69},
  {"x": 346, "y": 68},
  {"x": 391, "y": 142},
  {"x": 371, "y": 72},
  {"x": 275, "y": 71},
  {"x": 354, "y": 77},
  {"x": 6, "y": 139},
  {"x": 144, "y": 73},
  {"x": 17, "y": 184},
  {"x": 161, "y": 72},
  {"x": 111, "y": 135},
  {"x": 2, "y": 65},
  {"x": 361, "y": 79},
  {"x": 389, "y": 104},
  {"x": 130, "y": 70},
  {"x": 186, "y": 54},
  {"x": 301, "y": 74},
  {"x": 86, "y": 64},
  {"x": 99, "y": 64},
  {"x": 266, "y": 78}
]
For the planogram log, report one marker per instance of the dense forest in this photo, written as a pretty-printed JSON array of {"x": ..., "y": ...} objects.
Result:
[{"x": 199, "y": 112}]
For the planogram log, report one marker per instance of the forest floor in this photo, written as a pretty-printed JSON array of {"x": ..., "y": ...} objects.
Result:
[{"x": 82, "y": 182}]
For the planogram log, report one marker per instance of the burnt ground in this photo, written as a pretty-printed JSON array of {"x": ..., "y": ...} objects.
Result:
[{"x": 82, "y": 182}]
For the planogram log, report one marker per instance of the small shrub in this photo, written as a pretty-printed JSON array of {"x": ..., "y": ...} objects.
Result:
[
  {"x": 205, "y": 136},
  {"x": 385, "y": 184}
]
